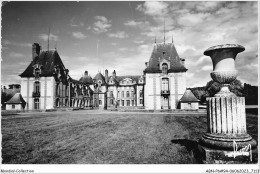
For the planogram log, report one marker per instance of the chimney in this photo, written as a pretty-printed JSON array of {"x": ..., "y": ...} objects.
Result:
[
  {"x": 106, "y": 75},
  {"x": 35, "y": 50},
  {"x": 86, "y": 73},
  {"x": 114, "y": 74}
]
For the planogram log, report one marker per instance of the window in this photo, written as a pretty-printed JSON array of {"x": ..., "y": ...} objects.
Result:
[
  {"x": 123, "y": 102},
  {"x": 111, "y": 93},
  {"x": 36, "y": 104},
  {"x": 122, "y": 93},
  {"x": 133, "y": 102},
  {"x": 127, "y": 93},
  {"x": 57, "y": 90},
  {"x": 100, "y": 102},
  {"x": 37, "y": 73},
  {"x": 141, "y": 101},
  {"x": 13, "y": 106},
  {"x": 128, "y": 102},
  {"x": 164, "y": 68},
  {"x": 118, "y": 102},
  {"x": 141, "y": 93},
  {"x": 57, "y": 102},
  {"x": 132, "y": 94},
  {"x": 165, "y": 102},
  {"x": 37, "y": 87},
  {"x": 118, "y": 93},
  {"x": 165, "y": 84},
  {"x": 111, "y": 102}
]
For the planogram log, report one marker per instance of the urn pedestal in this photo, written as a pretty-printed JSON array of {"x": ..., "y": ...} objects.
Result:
[{"x": 226, "y": 139}]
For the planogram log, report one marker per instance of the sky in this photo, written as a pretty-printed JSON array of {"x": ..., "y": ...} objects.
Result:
[{"x": 120, "y": 35}]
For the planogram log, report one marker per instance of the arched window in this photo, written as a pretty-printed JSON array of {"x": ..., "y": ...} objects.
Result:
[
  {"x": 132, "y": 94},
  {"x": 165, "y": 84},
  {"x": 127, "y": 93},
  {"x": 37, "y": 87},
  {"x": 164, "y": 68}
]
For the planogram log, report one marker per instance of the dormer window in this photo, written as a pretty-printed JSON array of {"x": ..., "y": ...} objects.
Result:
[
  {"x": 37, "y": 72},
  {"x": 99, "y": 83},
  {"x": 164, "y": 68}
]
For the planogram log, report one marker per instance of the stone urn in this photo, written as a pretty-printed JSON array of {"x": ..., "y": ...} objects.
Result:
[
  {"x": 226, "y": 116},
  {"x": 224, "y": 72}
]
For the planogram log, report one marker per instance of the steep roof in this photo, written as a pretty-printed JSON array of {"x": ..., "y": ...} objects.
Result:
[
  {"x": 48, "y": 60},
  {"x": 16, "y": 99},
  {"x": 86, "y": 80},
  {"x": 168, "y": 52},
  {"x": 135, "y": 78},
  {"x": 98, "y": 77},
  {"x": 120, "y": 78},
  {"x": 188, "y": 96}
]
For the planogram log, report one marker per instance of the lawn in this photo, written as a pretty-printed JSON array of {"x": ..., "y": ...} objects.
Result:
[{"x": 96, "y": 137}]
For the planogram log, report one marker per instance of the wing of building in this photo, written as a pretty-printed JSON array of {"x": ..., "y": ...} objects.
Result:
[
  {"x": 165, "y": 78},
  {"x": 46, "y": 83}
]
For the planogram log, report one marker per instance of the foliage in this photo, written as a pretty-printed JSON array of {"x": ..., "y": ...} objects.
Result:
[
  {"x": 251, "y": 94},
  {"x": 213, "y": 87}
]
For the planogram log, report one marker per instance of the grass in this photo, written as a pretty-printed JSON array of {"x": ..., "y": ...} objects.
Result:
[{"x": 93, "y": 137}]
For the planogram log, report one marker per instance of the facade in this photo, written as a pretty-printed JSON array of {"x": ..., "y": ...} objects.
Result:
[
  {"x": 189, "y": 101},
  {"x": 15, "y": 103},
  {"x": 46, "y": 83},
  {"x": 118, "y": 91},
  {"x": 165, "y": 78}
]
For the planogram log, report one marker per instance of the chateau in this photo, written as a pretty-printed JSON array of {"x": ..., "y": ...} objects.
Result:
[{"x": 46, "y": 83}]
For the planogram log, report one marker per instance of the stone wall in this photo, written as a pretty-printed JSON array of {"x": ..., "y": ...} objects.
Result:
[
  {"x": 152, "y": 89},
  {"x": 17, "y": 107},
  {"x": 46, "y": 99},
  {"x": 193, "y": 105}
]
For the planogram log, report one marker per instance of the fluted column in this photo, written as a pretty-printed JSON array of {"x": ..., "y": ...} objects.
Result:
[{"x": 226, "y": 115}]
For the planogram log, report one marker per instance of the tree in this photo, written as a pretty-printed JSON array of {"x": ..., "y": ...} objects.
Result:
[{"x": 236, "y": 87}]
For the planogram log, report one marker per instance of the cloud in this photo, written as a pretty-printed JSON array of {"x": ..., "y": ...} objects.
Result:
[
  {"x": 190, "y": 19},
  {"x": 138, "y": 41},
  {"x": 202, "y": 59},
  {"x": 208, "y": 5},
  {"x": 82, "y": 24},
  {"x": 207, "y": 68},
  {"x": 7, "y": 42},
  {"x": 119, "y": 34},
  {"x": 52, "y": 37},
  {"x": 73, "y": 25},
  {"x": 153, "y": 8},
  {"x": 79, "y": 35},
  {"x": 132, "y": 23},
  {"x": 101, "y": 25},
  {"x": 16, "y": 55}
]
